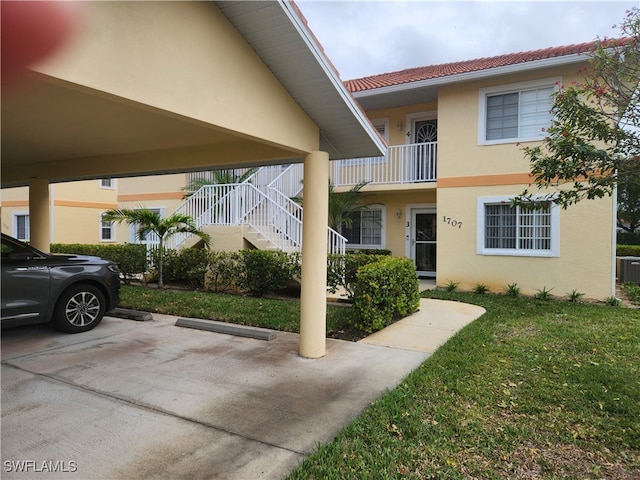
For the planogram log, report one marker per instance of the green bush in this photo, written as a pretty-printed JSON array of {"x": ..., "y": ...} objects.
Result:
[
  {"x": 225, "y": 268},
  {"x": 186, "y": 266},
  {"x": 385, "y": 291},
  {"x": 266, "y": 271},
  {"x": 628, "y": 238},
  {"x": 343, "y": 269},
  {"x": 370, "y": 251},
  {"x": 628, "y": 250},
  {"x": 130, "y": 257}
]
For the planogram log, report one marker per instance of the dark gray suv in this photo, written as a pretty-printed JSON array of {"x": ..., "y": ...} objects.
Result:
[{"x": 72, "y": 291}]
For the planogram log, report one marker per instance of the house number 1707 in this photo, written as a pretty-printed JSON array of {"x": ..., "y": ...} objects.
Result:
[{"x": 453, "y": 223}]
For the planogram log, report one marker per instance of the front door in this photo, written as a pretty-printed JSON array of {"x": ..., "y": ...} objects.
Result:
[
  {"x": 423, "y": 241},
  {"x": 425, "y": 137}
]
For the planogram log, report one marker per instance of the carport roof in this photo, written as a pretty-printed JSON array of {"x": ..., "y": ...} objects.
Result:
[{"x": 278, "y": 34}]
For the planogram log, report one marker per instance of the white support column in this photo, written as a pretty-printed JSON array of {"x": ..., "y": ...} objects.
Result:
[
  {"x": 313, "y": 295},
  {"x": 39, "y": 223}
]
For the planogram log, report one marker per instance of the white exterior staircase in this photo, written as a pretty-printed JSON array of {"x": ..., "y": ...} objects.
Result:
[{"x": 262, "y": 203}]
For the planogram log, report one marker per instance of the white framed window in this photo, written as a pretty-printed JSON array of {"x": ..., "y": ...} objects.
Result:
[
  {"x": 107, "y": 230},
  {"x": 505, "y": 229},
  {"x": 516, "y": 113},
  {"x": 109, "y": 183},
  {"x": 366, "y": 229},
  {"x": 21, "y": 228},
  {"x": 148, "y": 237}
]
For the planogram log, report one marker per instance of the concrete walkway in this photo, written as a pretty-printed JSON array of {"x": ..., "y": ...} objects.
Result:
[{"x": 150, "y": 400}]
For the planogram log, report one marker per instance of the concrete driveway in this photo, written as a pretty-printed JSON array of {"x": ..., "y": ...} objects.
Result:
[{"x": 142, "y": 400}]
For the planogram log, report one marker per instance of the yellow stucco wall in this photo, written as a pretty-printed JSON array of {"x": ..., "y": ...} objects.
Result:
[
  {"x": 584, "y": 263},
  {"x": 466, "y": 171},
  {"x": 206, "y": 72},
  {"x": 75, "y": 216}
]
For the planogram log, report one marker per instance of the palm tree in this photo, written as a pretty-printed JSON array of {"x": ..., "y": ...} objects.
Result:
[
  {"x": 218, "y": 177},
  {"x": 149, "y": 221},
  {"x": 343, "y": 205}
]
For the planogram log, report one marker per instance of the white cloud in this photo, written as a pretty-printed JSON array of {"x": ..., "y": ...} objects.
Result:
[{"x": 368, "y": 37}]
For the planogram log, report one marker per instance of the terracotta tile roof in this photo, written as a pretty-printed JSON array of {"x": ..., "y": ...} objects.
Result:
[{"x": 437, "y": 71}]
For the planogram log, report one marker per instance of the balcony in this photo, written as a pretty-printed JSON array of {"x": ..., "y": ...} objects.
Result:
[{"x": 413, "y": 163}]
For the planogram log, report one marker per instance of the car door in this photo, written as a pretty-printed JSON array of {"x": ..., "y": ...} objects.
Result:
[{"x": 25, "y": 285}]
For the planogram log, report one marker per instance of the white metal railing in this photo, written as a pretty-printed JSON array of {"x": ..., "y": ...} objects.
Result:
[
  {"x": 274, "y": 216},
  {"x": 289, "y": 182},
  {"x": 411, "y": 163},
  {"x": 263, "y": 176}
]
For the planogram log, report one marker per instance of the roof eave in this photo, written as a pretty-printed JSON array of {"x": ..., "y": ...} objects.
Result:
[{"x": 475, "y": 75}]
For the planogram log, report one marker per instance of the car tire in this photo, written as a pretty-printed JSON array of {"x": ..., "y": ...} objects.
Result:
[{"x": 79, "y": 309}]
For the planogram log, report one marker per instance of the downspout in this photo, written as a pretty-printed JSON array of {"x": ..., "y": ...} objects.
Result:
[
  {"x": 52, "y": 213},
  {"x": 614, "y": 239}
]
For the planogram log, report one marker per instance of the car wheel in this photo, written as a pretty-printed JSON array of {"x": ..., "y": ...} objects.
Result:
[{"x": 79, "y": 308}]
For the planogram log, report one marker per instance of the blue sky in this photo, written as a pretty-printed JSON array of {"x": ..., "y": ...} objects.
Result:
[{"x": 368, "y": 37}]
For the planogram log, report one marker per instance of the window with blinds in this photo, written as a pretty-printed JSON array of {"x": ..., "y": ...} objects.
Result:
[
  {"x": 516, "y": 112},
  {"x": 365, "y": 229}
]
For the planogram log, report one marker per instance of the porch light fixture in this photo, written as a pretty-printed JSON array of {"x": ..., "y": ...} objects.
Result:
[{"x": 398, "y": 213}]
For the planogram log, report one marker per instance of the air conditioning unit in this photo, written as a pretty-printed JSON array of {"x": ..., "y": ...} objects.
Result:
[{"x": 628, "y": 269}]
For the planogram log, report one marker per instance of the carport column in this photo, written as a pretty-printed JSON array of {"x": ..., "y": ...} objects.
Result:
[
  {"x": 40, "y": 232},
  {"x": 313, "y": 295}
]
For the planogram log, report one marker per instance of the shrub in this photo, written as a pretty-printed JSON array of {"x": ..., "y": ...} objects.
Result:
[
  {"x": 480, "y": 289},
  {"x": 130, "y": 257},
  {"x": 628, "y": 250},
  {"x": 543, "y": 294},
  {"x": 628, "y": 238},
  {"x": 186, "y": 266},
  {"x": 451, "y": 286},
  {"x": 370, "y": 251},
  {"x": 384, "y": 292},
  {"x": 342, "y": 270},
  {"x": 512, "y": 290},
  {"x": 574, "y": 296},
  {"x": 266, "y": 271},
  {"x": 224, "y": 271}
]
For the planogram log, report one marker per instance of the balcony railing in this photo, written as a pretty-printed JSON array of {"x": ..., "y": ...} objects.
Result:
[{"x": 411, "y": 163}]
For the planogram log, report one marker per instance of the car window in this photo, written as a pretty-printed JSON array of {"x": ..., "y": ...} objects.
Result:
[{"x": 9, "y": 248}]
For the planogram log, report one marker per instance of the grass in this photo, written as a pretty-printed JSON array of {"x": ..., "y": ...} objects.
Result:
[
  {"x": 541, "y": 390},
  {"x": 532, "y": 389},
  {"x": 277, "y": 314}
]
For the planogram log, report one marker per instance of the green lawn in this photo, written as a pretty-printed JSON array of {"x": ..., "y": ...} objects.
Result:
[
  {"x": 283, "y": 315},
  {"x": 533, "y": 389}
]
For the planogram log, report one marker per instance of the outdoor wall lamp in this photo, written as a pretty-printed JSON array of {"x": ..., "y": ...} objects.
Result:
[{"x": 398, "y": 213}]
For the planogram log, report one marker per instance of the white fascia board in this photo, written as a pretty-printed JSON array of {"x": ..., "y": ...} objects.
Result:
[
  {"x": 330, "y": 72},
  {"x": 477, "y": 75}
]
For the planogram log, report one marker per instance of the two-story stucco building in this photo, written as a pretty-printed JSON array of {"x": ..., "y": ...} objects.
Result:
[{"x": 441, "y": 194}]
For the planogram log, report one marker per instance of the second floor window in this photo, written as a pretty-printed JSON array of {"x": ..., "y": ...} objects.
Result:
[
  {"x": 107, "y": 183},
  {"x": 519, "y": 113}
]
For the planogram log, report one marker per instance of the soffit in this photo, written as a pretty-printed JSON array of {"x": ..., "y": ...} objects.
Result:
[{"x": 277, "y": 32}]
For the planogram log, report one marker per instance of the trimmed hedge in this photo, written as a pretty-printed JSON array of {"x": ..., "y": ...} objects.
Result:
[
  {"x": 267, "y": 271},
  {"x": 628, "y": 238},
  {"x": 187, "y": 265},
  {"x": 627, "y": 250},
  {"x": 130, "y": 257},
  {"x": 385, "y": 291}
]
